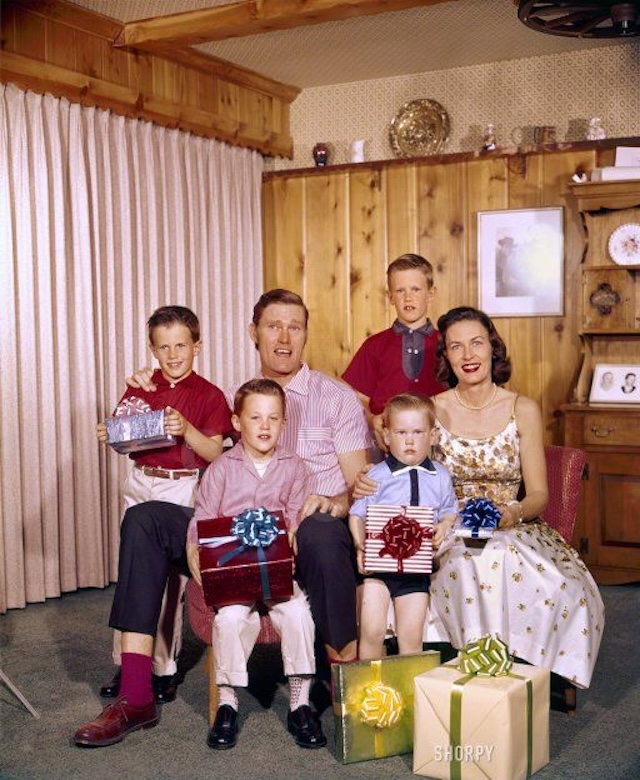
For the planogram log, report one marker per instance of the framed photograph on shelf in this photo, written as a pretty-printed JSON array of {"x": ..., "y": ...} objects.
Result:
[
  {"x": 521, "y": 262},
  {"x": 615, "y": 384}
]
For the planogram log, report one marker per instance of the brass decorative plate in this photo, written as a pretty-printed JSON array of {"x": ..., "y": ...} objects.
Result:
[
  {"x": 420, "y": 127},
  {"x": 624, "y": 244}
]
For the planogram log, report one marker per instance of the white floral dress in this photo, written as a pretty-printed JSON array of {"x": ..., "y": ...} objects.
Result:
[{"x": 526, "y": 585}]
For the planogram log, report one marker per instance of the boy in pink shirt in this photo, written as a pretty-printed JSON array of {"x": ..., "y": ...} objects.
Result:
[{"x": 257, "y": 472}]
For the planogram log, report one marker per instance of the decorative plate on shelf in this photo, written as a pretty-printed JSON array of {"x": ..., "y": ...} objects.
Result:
[
  {"x": 419, "y": 128},
  {"x": 624, "y": 244}
]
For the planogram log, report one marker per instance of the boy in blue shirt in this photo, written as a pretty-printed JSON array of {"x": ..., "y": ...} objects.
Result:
[{"x": 407, "y": 476}]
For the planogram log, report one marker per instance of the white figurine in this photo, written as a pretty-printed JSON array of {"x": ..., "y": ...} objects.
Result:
[
  {"x": 489, "y": 138},
  {"x": 595, "y": 131}
]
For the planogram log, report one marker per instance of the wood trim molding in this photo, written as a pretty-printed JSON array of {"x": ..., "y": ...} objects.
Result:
[{"x": 235, "y": 20}]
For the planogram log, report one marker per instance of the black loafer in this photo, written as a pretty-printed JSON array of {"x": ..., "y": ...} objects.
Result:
[
  {"x": 303, "y": 723},
  {"x": 112, "y": 689},
  {"x": 164, "y": 688},
  {"x": 224, "y": 731}
]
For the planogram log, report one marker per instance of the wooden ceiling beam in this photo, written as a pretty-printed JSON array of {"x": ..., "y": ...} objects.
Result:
[{"x": 252, "y": 17}]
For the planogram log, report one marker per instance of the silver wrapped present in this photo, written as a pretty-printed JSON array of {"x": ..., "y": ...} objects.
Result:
[{"x": 135, "y": 432}]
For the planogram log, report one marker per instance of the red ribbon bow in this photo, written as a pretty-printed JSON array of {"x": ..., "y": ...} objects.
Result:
[{"x": 402, "y": 537}]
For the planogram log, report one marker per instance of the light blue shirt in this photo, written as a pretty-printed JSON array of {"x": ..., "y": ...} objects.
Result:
[{"x": 394, "y": 487}]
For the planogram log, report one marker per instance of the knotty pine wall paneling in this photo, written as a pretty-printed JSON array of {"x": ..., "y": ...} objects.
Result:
[{"x": 330, "y": 233}]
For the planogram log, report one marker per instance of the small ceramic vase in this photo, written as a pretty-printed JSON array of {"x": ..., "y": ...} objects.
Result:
[{"x": 321, "y": 154}]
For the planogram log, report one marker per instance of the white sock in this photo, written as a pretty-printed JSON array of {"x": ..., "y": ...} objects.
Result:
[
  {"x": 227, "y": 695},
  {"x": 299, "y": 688}
]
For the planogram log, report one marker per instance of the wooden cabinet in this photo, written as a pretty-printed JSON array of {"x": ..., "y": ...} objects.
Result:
[{"x": 607, "y": 533}]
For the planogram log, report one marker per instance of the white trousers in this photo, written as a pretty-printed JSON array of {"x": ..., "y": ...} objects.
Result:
[
  {"x": 168, "y": 642},
  {"x": 236, "y": 628}
]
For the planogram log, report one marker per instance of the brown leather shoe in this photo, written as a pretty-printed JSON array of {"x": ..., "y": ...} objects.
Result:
[{"x": 114, "y": 723}]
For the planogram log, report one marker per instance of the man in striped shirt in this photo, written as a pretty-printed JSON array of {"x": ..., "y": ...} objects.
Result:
[{"x": 327, "y": 428}]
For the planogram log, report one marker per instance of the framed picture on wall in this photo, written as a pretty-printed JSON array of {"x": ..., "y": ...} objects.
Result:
[
  {"x": 521, "y": 262},
  {"x": 615, "y": 384}
]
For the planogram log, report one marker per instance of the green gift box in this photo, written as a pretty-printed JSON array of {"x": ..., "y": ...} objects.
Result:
[{"x": 373, "y": 705}]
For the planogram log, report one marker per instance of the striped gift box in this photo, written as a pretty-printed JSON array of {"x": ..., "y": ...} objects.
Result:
[{"x": 398, "y": 539}]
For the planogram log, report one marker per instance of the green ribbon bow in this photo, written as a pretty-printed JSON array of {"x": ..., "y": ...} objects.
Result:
[{"x": 484, "y": 657}]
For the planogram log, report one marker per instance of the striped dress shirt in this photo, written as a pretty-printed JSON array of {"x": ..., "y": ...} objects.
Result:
[{"x": 324, "y": 419}]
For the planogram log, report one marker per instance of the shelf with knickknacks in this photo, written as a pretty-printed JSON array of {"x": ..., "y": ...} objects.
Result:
[{"x": 607, "y": 533}]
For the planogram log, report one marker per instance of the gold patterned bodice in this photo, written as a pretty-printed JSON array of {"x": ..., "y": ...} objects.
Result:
[{"x": 482, "y": 468}]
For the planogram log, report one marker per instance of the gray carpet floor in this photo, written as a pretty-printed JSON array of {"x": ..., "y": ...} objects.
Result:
[{"x": 57, "y": 653}]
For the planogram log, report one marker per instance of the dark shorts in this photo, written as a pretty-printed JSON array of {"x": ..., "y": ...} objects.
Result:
[{"x": 403, "y": 584}]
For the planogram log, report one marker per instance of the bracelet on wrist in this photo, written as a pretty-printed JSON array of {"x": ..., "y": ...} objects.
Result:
[{"x": 518, "y": 505}]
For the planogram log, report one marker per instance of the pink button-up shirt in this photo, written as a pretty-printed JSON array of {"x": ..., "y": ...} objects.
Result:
[
  {"x": 324, "y": 419},
  {"x": 231, "y": 484}
]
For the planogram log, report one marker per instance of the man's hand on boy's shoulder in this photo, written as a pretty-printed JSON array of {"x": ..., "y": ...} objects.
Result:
[{"x": 141, "y": 379}]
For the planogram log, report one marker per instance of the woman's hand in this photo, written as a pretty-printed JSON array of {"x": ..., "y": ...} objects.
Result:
[
  {"x": 101, "y": 432},
  {"x": 193, "y": 559},
  {"x": 363, "y": 486},
  {"x": 510, "y": 516}
]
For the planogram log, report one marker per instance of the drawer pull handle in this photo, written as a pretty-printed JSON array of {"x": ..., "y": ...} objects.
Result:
[{"x": 601, "y": 433}]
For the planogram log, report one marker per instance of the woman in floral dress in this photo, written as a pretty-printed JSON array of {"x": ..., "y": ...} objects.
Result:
[{"x": 526, "y": 585}]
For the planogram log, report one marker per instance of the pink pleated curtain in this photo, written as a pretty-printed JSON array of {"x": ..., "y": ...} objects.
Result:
[{"x": 102, "y": 219}]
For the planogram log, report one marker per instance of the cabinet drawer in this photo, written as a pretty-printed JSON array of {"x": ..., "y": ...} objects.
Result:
[{"x": 611, "y": 429}]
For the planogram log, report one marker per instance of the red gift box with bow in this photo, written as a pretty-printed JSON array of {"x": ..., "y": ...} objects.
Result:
[
  {"x": 399, "y": 539},
  {"x": 237, "y": 570}
]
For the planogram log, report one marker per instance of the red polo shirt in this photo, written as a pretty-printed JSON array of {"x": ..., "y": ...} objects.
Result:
[
  {"x": 200, "y": 402},
  {"x": 376, "y": 369}
]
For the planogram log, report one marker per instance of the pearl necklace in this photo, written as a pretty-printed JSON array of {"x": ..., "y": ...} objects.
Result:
[{"x": 476, "y": 408}]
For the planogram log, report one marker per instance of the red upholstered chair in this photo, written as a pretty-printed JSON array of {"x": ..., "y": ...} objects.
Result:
[
  {"x": 201, "y": 621},
  {"x": 565, "y": 468}
]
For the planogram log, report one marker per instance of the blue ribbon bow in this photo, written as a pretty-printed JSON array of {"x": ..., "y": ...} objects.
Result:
[
  {"x": 479, "y": 513},
  {"x": 255, "y": 528}
]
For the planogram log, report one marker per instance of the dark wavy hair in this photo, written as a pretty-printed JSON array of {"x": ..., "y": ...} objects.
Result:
[{"x": 501, "y": 364}]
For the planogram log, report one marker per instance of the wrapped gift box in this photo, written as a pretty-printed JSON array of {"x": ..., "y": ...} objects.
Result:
[
  {"x": 373, "y": 705},
  {"x": 234, "y": 572},
  {"x": 135, "y": 432},
  {"x": 472, "y": 533},
  {"x": 399, "y": 539},
  {"x": 476, "y": 727},
  {"x": 477, "y": 522}
]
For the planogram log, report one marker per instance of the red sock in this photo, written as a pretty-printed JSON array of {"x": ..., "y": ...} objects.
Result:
[{"x": 136, "y": 679}]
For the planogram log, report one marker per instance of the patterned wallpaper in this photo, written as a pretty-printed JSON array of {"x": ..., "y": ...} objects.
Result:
[{"x": 564, "y": 90}]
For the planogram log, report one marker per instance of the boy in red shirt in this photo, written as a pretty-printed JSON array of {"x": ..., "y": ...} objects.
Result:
[
  {"x": 197, "y": 415},
  {"x": 401, "y": 358}
]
